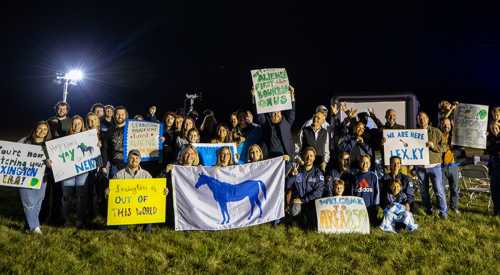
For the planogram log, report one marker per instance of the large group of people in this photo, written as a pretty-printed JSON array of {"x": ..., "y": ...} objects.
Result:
[{"x": 332, "y": 155}]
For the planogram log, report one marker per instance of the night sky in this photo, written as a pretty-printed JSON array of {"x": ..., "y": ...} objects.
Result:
[{"x": 139, "y": 54}]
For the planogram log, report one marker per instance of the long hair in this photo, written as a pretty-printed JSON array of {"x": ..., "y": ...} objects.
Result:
[
  {"x": 165, "y": 118},
  {"x": 98, "y": 121},
  {"x": 183, "y": 131},
  {"x": 258, "y": 147},
  {"x": 231, "y": 160},
  {"x": 181, "y": 156},
  {"x": 32, "y": 133},
  {"x": 75, "y": 117},
  {"x": 228, "y": 137}
]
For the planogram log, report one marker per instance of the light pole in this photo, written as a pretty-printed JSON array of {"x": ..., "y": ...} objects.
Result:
[{"x": 70, "y": 78}]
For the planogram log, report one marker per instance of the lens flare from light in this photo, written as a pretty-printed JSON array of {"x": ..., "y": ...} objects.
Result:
[{"x": 74, "y": 75}]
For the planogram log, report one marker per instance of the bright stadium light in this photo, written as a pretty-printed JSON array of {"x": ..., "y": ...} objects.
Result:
[
  {"x": 74, "y": 75},
  {"x": 70, "y": 78}
]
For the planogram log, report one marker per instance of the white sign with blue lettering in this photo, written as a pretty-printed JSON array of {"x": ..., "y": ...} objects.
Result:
[
  {"x": 21, "y": 165},
  {"x": 409, "y": 145},
  {"x": 73, "y": 155}
]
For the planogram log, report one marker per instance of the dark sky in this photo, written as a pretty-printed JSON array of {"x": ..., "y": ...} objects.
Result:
[{"x": 140, "y": 53}]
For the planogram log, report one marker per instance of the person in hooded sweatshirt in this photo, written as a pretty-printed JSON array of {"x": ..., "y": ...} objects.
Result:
[
  {"x": 366, "y": 186},
  {"x": 305, "y": 185}
]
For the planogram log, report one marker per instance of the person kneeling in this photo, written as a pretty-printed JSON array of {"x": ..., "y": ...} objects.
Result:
[
  {"x": 397, "y": 211},
  {"x": 304, "y": 186}
]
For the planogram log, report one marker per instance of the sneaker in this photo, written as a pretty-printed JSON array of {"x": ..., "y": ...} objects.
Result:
[
  {"x": 456, "y": 211},
  {"x": 38, "y": 231},
  {"x": 412, "y": 227}
]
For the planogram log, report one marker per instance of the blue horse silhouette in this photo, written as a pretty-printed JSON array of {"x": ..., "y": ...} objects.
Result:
[{"x": 225, "y": 192}]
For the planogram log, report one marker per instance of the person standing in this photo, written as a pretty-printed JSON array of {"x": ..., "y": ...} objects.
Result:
[
  {"x": 32, "y": 199},
  {"x": 107, "y": 123},
  {"x": 151, "y": 115},
  {"x": 493, "y": 149},
  {"x": 114, "y": 141},
  {"x": 451, "y": 162},
  {"x": 75, "y": 189},
  {"x": 60, "y": 123},
  {"x": 277, "y": 130},
  {"x": 316, "y": 136},
  {"x": 432, "y": 172}
]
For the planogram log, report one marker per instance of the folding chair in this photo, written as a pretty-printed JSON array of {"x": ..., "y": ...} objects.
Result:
[{"x": 475, "y": 181}]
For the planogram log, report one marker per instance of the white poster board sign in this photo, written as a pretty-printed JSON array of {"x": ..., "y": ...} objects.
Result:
[
  {"x": 73, "y": 155},
  {"x": 343, "y": 214},
  {"x": 471, "y": 126},
  {"x": 143, "y": 136},
  {"x": 271, "y": 90},
  {"x": 21, "y": 165},
  {"x": 409, "y": 145}
]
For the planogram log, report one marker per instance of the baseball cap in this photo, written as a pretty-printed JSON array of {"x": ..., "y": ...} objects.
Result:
[
  {"x": 321, "y": 108},
  {"x": 134, "y": 152}
]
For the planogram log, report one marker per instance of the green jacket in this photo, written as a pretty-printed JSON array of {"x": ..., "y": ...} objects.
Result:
[{"x": 440, "y": 146}]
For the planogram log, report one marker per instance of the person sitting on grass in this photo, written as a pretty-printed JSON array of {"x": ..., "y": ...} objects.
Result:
[
  {"x": 305, "y": 185},
  {"x": 395, "y": 173},
  {"x": 366, "y": 186},
  {"x": 398, "y": 210}
]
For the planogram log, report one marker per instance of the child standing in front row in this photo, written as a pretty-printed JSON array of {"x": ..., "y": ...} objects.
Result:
[
  {"x": 366, "y": 186},
  {"x": 338, "y": 188}
]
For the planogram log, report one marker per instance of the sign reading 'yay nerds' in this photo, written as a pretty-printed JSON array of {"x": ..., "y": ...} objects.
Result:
[
  {"x": 271, "y": 90},
  {"x": 136, "y": 201},
  {"x": 409, "y": 145},
  {"x": 21, "y": 165},
  {"x": 73, "y": 155},
  {"x": 344, "y": 214}
]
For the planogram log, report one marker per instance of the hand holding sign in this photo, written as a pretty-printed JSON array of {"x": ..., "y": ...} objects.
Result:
[
  {"x": 272, "y": 91},
  {"x": 410, "y": 145}
]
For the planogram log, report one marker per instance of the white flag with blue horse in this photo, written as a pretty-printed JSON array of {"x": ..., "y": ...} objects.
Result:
[{"x": 215, "y": 198}]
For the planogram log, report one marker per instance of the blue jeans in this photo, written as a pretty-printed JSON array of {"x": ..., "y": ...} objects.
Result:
[
  {"x": 75, "y": 190},
  {"x": 450, "y": 174},
  {"x": 435, "y": 174},
  {"x": 31, "y": 200}
]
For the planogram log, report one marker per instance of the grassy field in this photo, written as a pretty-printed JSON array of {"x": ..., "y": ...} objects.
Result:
[{"x": 469, "y": 243}]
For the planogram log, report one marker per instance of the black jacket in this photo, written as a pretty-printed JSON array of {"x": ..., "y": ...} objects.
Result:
[{"x": 284, "y": 129}]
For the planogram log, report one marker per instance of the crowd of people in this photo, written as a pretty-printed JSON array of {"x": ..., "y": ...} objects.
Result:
[{"x": 332, "y": 155}]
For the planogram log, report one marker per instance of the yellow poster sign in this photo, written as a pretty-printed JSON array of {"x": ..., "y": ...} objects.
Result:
[{"x": 136, "y": 201}]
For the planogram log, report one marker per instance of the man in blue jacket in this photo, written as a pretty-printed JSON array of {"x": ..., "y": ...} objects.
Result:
[{"x": 303, "y": 188}]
